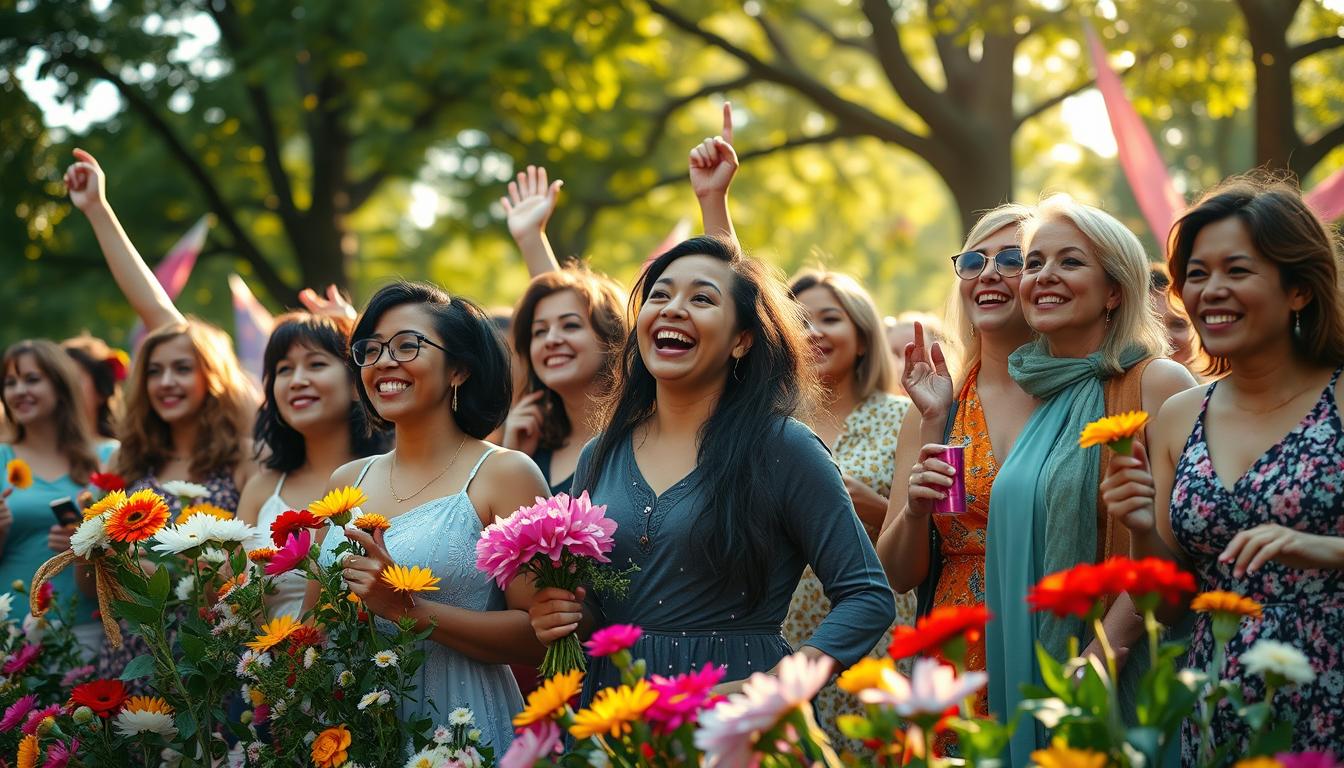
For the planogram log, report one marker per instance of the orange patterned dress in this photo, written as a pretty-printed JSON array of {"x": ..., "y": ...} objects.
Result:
[{"x": 962, "y": 580}]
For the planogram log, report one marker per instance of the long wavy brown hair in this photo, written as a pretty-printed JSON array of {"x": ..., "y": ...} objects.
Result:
[
  {"x": 224, "y": 421},
  {"x": 74, "y": 434}
]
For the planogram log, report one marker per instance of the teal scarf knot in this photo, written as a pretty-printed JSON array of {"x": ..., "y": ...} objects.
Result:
[{"x": 1042, "y": 519}]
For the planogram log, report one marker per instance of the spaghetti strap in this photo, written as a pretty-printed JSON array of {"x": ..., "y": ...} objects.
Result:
[
  {"x": 360, "y": 480},
  {"x": 472, "y": 475},
  {"x": 279, "y": 484}
]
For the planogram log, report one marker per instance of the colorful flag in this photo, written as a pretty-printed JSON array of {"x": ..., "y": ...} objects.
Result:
[
  {"x": 175, "y": 268},
  {"x": 1158, "y": 199},
  {"x": 1327, "y": 199},
  {"x": 251, "y": 326}
]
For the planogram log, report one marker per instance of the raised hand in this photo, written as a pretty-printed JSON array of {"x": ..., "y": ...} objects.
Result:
[
  {"x": 1128, "y": 490},
  {"x": 926, "y": 378},
  {"x": 334, "y": 305},
  {"x": 714, "y": 161},
  {"x": 530, "y": 202},
  {"x": 522, "y": 428},
  {"x": 86, "y": 182}
]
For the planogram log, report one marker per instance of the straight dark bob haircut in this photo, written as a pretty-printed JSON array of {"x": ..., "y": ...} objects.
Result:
[
  {"x": 473, "y": 345},
  {"x": 279, "y": 446}
]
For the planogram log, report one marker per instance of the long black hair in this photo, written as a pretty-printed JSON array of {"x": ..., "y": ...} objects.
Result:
[
  {"x": 472, "y": 343},
  {"x": 279, "y": 446},
  {"x": 770, "y": 383}
]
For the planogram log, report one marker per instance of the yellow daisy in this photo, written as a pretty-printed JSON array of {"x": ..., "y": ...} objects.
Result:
[
  {"x": 147, "y": 704},
  {"x": 865, "y": 674},
  {"x": 112, "y": 500},
  {"x": 203, "y": 509},
  {"x": 413, "y": 579},
  {"x": 273, "y": 633},
  {"x": 19, "y": 474},
  {"x": 1061, "y": 756},
  {"x": 613, "y": 710},
  {"x": 27, "y": 757},
  {"x": 1113, "y": 430},
  {"x": 1225, "y": 602},
  {"x": 370, "y": 522},
  {"x": 336, "y": 505},
  {"x": 549, "y": 699}
]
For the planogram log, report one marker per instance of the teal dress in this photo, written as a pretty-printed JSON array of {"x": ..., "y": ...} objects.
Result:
[{"x": 26, "y": 548}]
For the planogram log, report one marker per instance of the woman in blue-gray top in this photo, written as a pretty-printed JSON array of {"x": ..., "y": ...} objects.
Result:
[{"x": 721, "y": 497}]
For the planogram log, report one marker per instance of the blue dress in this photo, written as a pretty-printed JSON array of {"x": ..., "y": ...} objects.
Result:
[
  {"x": 689, "y": 615},
  {"x": 441, "y": 535}
]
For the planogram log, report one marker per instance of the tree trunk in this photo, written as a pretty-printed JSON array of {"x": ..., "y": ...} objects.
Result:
[{"x": 1276, "y": 137}]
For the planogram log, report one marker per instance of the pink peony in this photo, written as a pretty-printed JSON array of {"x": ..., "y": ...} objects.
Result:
[
  {"x": 681, "y": 698},
  {"x": 728, "y": 732},
  {"x": 21, "y": 659},
  {"x": 35, "y": 717},
  {"x": 59, "y": 754},
  {"x": 532, "y": 744},
  {"x": 1307, "y": 760},
  {"x": 551, "y": 528},
  {"x": 612, "y": 639},
  {"x": 76, "y": 675},
  {"x": 932, "y": 688},
  {"x": 17, "y": 712},
  {"x": 288, "y": 557}
]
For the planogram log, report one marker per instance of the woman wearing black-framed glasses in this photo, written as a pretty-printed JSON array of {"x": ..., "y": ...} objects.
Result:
[{"x": 943, "y": 557}]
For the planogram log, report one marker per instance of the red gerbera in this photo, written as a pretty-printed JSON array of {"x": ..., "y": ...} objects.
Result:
[
  {"x": 303, "y": 637},
  {"x": 108, "y": 481},
  {"x": 1074, "y": 592},
  {"x": 104, "y": 697},
  {"x": 933, "y": 632},
  {"x": 1154, "y": 576},
  {"x": 292, "y": 522}
]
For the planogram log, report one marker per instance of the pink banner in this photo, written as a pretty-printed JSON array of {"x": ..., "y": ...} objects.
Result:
[
  {"x": 251, "y": 327},
  {"x": 1158, "y": 199},
  {"x": 1327, "y": 199},
  {"x": 176, "y": 267}
]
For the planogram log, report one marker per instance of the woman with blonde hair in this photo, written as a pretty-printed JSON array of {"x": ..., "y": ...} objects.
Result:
[{"x": 1084, "y": 291}]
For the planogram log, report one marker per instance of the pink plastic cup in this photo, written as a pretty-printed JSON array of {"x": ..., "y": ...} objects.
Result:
[{"x": 955, "y": 503}]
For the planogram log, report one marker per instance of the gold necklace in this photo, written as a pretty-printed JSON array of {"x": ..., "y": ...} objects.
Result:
[
  {"x": 403, "y": 499},
  {"x": 1277, "y": 407}
]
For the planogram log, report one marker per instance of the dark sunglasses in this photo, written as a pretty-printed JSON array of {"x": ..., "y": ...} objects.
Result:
[{"x": 970, "y": 265}]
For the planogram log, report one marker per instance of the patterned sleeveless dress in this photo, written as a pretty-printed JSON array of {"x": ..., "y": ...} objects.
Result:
[{"x": 1298, "y": 483}]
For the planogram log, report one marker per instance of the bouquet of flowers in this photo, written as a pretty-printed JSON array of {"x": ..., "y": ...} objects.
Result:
[{"x": 561, "y": 542}]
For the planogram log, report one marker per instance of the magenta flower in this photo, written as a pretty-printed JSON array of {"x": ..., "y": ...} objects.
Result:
[
  {"x": 21, "y": 659},
  {"x": 76, "y": 675},
  {"x": 37, "y": 716},
  {"x": 532, "y": 744},
  {"x": 58, "y": 754},
  {"x": 682, "y": 698},
  {"x": 261, "y": 714},
  {"x": 1307, "y": 760},
  {"x": 288, "y": 557},
  {"x": 16, "y": 712},
  {"x": 551, "y": 528},
  {"x": 613, "y": 639}
]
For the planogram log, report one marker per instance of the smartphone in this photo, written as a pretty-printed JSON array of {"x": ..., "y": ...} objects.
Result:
[{"x": 65, "y": 511}]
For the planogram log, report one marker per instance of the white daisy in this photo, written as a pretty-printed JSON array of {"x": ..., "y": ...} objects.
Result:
[
  {"x": 184, "y": 587},
  {"x": 249, "y": 661},
  {"x": 131, "y": 723},
  {"x": 309, "y": 657},
  {"x": 184, "y": 490},
  {"x": 373, "y": 698},
  {"x": 230, "y": 531},
  {"x": 442, "y": 735},
  {"x": 215, "y": 555},
  {"x": 384, "y": 659},
  {"x": 176, "y": 539},
  {"x": 1269, "y": 656},
  {"x": 429, "y": 757},
  {"x": 7, "y": 605},
  {"x": 460, "y": 716},
  {"x": 345, "y": 678},
  {"x": 34, "y": 629},
  {"x": 90, "y": 535}
]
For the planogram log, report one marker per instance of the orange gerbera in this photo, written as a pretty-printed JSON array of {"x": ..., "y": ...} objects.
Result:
[
  {"x": 329, "y": 748},
  {"x": 261, "y": 554},
  {"x": 203, "y": 509},
  {"x": 274, "y": 632},
  {"x": 371, "y": 522},
  {"x": 18, "y": 473},
  {"x": 1116, "y": 431},
  {"x": 1226, "y": 602},
  {"x": 27, "y": 757},
  {"x": 111, "y": 501},
  {"x": 143, "y": 514},
  {"x": 231, "y": 584}
]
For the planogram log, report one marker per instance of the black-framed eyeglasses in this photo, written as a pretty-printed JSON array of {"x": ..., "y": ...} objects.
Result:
[
  {"x": 969, "y": 265},
  {"x": 402, "y": 347}
]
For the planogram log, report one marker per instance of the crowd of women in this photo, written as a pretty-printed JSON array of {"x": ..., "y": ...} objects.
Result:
[{"x": 747, "y": 435}]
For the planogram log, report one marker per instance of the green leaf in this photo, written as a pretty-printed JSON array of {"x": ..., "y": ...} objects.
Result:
[
  {"x": 159, "y": 585},
  {"x": 193, "y": 647},
  {"x": 1052, "y": 673},
  {"x": 186, "y": 725},
  {"x": 138, "y": 614},
  {"x": 140, "y": 666}
]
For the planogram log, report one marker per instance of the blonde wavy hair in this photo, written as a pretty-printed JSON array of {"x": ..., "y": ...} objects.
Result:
[
  {"x": 225, "y": 418},
  {"x": 874, "y": 371},
  {"x": 1134, "y": 322},
  {"x": 74, "y": 433}
]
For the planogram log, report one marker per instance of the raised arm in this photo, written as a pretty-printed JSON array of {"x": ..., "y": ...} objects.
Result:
[
  {"x": 529, "y": 205},
  {"x": 87, "y": 185},
  {"x": 713, "y": 164}
]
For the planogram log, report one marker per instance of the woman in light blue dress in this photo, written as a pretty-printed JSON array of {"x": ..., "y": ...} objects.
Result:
[{"x": 433, "y": 367}]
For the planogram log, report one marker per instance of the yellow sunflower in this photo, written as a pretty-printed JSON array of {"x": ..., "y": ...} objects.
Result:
[
  {"x": 203, "y": 509},
  {"x": 413, "y": 579},
  {"x": 28, "y": 751},
  {"x": 143, "y": 514},
  {"x": 19, "y": 474},
  {"x": 1061, "y": 756},
  {"x": 1225, "y": 602},
  {"x": 111, "y": 501},
  {"x": 1116, "y": 431},
  {"x": 370, "y": 522},
  {"x": 147, "y": 704},
  {"x": 273, "y": 633},
  {"x": 549, "y": 699},
  {"x": 613, "y": 710},
  {"x": 336, "y": 505},
  {"x": 865, "y": 675}
]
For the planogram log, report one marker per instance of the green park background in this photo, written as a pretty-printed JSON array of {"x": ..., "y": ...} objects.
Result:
[{"x": 352, "y": 142}]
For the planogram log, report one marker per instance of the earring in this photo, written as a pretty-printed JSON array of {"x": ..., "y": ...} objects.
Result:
[
  {"x": 1297, "y": 324},
  {"x": 737, "y": 362},
  {"x": 1108, "y": 315},
  {"x": 454, "y": 399},
  {"x": 972, "y": 330}
]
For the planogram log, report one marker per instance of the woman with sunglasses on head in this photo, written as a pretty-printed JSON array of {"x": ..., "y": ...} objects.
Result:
[
  {"x": 1242, "y": 480},
  {"x": 434, "y": 368},
  {"x": 943, "y": 556},
  {"x": 1099, "y": 351}
]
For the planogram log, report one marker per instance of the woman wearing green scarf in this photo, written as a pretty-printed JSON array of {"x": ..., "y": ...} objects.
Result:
[{"x": 1084, "y": 290}]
